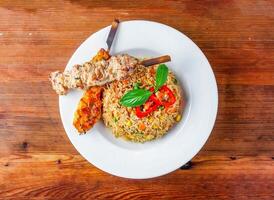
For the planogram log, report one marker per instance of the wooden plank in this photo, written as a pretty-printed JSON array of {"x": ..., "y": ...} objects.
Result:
[{"x": 37, "y": 160}]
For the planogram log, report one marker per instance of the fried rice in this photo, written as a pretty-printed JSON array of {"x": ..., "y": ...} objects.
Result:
[{"x": 123, "y": 120}]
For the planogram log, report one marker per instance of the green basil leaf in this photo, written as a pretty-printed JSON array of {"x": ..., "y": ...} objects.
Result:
[
  {"x": 161, "y": 76},
  {"x": 135, "y": 97}
]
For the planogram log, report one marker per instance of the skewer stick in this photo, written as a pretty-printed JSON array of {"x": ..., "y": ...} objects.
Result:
[
  {"x": 112, "y": 33},
  {"x": 154, "y": 61}
]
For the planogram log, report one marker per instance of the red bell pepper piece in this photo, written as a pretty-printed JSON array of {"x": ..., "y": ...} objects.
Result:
[
  {"x": 153, "y": 102},
  {"x": 171, "y": 97},
  {"x": 154, "y": 105}
]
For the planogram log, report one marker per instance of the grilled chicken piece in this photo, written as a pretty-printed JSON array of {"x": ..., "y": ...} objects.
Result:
[
  {"x": 102, "y": 54},
  {"x": 96, "y": 72},
  {"x": 89, "y": 109}
]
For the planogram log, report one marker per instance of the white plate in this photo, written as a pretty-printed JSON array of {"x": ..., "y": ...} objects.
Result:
[{"x": 182, "y": 143}]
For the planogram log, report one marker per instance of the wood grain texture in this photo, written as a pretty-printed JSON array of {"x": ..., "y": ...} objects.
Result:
[{"x": 37, "y": 161}]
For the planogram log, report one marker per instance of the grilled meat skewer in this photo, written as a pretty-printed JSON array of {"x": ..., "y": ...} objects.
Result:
[{"x": 93, "y": 73}]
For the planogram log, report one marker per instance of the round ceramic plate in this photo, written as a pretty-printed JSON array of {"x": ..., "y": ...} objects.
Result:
[{"x": 183, "y": 142}]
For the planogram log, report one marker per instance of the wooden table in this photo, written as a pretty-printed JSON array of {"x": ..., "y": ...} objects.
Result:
[{"x": 37, "y": 161}]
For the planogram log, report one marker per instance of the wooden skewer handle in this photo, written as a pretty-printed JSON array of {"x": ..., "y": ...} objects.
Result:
[{"x": 154, "y": 61}]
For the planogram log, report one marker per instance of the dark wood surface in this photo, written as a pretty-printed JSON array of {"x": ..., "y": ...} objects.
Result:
[{"x": 37, "y": 161}]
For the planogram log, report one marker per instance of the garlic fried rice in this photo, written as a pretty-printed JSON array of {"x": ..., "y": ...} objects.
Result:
[{"x": 123, "y": 120}]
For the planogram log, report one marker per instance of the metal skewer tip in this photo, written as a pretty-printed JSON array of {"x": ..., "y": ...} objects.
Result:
[{"x": 112, "y": 33}]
